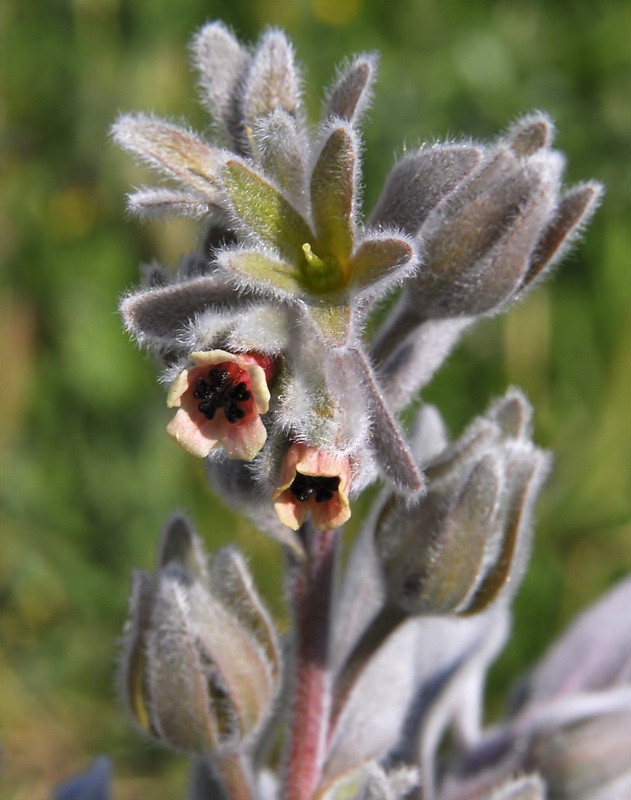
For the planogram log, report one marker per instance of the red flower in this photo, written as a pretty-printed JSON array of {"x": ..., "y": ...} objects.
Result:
[
  {"x": 313, "y": 482},
  {"x": 220, "y": 401}
]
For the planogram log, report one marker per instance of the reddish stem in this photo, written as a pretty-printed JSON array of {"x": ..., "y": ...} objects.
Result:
[{"x": 312, "y": 594}]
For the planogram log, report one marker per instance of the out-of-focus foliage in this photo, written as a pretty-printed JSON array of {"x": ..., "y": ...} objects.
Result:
[{"x": 87, "y": 475}]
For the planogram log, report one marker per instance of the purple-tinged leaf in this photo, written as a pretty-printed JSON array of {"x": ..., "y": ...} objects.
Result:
[
  {"x": 351, "y": 92},
  {"x": 150, "y": 203},
  {"x": 381, "y": 259},
  {"x": 281, "y": 151},
  {"x": 159, "y": 316},
  {"x": 181, "y": 545},
  {"x": 593, "y": 654},
  {"x": 530, "y": 133}
]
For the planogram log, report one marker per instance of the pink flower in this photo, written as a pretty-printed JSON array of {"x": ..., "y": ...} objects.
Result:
[
  {"x": 316, "y": 482},
  {"x": 220, "y": 401}
]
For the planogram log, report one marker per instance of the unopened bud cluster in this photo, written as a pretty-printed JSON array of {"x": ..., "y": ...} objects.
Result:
[{"x": 273, "y": 381}]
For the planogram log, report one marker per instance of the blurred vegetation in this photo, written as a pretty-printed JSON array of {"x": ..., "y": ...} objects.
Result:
[{"x": 86, "y": 473}]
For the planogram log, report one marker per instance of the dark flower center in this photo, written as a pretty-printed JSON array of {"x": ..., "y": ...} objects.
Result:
[
  {"x": 221, "y": 390},
  {"x": 322, "y": 486}
]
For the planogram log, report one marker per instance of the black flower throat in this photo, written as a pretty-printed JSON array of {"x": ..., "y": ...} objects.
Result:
[
  {"x": 322, "y": 486},
  {"x": 220, "y": 391}
]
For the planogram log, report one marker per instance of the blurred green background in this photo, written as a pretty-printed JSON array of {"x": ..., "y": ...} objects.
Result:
[{"x": 87, "y": 475}]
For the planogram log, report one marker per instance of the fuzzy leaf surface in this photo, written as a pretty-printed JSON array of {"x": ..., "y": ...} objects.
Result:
[
  {"x": 266, "y": 211},
  {"x": 332, "y": 194}
]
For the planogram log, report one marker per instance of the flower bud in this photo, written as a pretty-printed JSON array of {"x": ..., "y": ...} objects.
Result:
[
  {"x": 456, "y": 549},
  {"x": 431, "y": 554},
  {"x": 479, "y": 240},
  {"x": 200, "y": 667},
  {"x": 589, "y": 760}
]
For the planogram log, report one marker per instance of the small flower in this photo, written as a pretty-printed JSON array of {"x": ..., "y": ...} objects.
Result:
[
  {"x": 220, "y": 400},
  {"x": 316, "y": 482}
]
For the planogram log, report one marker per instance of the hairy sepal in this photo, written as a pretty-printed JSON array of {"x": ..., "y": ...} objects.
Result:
[
  {"x": 380, "y": 262},
  {"x": 263, "y": 272},
  {"x": 574, "y": 211},
  {"x": 418, "y": 182}
]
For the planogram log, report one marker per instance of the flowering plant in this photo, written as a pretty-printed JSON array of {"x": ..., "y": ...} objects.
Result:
[{"x": 262, "y": 334}]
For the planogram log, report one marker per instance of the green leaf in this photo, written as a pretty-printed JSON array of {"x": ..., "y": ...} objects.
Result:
[
  {"x": 332, "y": 191},
  {"x": 263, "y": 271},
  {"x": 375, "y": 259},
  {"x": 264, "y": 209}
]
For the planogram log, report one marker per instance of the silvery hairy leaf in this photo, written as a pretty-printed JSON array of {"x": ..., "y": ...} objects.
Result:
[
  {"x": 272, "y": 81},
  {"x": 409, "y": 354},
  {"x": 588, "y": 760},
  {"x": 153, "y": 203},
  {"x": 416, "y": 663},
  {"x": 281, "y": 151},
  {"x": 397, "y": 463},
  {"x": 221, "y": 62},
  {"x": 592, "y": 655},
  {"x": 159, "y": 316},
  {"x": 174, "y": 151}
]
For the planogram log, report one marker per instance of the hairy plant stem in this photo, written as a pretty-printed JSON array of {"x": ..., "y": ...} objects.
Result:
[
  {"x": 312, "y": 594},
  {"x": 399, "y": 324},
  {"x": 384, "y": 623},
  {"x": 235, "y": 776}
]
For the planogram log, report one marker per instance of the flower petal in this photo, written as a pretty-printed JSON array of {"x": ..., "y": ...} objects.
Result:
[
  {"x": 289, "y": 511},
  {"x": 245, "y": 439},
  {"x": 259, "y": 388},
  {"x": 190, "y": 435}
]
